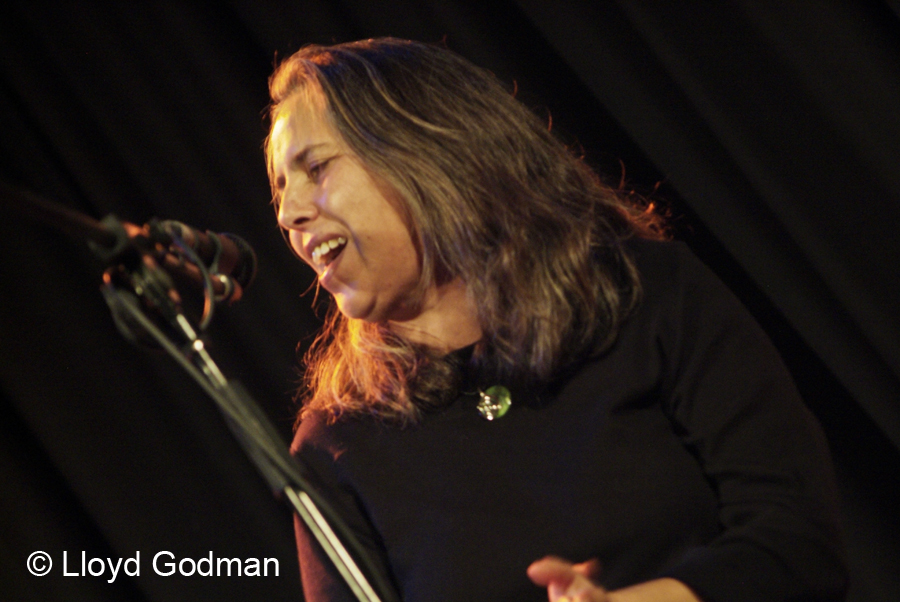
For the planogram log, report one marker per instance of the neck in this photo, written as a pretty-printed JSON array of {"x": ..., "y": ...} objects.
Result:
[{"x": 448, "y": 320}]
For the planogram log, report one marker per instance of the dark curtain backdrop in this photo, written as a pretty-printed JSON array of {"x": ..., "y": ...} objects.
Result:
[{"x": 768, "y": 129}]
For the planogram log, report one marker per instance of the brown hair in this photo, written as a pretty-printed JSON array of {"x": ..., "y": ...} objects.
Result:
[{"x": 493, "y": 198}]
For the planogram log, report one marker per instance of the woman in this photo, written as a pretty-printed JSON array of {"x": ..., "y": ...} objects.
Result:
[{"x": 516, "y": 370}]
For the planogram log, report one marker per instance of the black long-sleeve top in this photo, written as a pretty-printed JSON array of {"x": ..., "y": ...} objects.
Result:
[{"x": 684, "y": 451}]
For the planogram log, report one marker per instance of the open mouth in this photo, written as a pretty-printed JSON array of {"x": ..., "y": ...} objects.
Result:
[{"x": 327, "y": 251}]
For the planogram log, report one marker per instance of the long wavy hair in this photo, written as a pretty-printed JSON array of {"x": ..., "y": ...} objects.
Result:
[{"x": 493, "y": 198}]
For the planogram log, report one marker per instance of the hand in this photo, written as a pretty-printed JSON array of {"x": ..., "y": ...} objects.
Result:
[{"x": 567, "y": 582}]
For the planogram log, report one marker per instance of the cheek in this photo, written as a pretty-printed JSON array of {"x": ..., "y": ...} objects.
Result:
[
  {"x": 409, "y": 262},
  {"x": 404, "y": 269},
  {"x": 296, "y": 240}
]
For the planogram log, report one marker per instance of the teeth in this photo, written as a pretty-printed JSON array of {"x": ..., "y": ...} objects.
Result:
[{"x": 327, "y": 246}]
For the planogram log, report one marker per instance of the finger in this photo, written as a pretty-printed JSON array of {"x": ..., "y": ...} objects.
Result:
[
  {"x": 581, "y": 590},
  {"x": 590, "y": 568},
  {"x": 552, "y": 570},
  {"x": 585, "y": 591},
  {"x": 593, "y": 595}
]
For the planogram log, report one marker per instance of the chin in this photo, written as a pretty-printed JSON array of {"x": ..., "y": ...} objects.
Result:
[
  {"x": 357, "y": 309},
  {"x": 368, "y": 310}
]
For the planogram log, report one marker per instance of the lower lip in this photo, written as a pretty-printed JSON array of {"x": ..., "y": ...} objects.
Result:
[{"x": 327, "y": 274}]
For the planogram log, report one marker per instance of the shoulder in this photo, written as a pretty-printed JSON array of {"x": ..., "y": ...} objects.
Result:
[
  {"x": 696, "y": 324},
  {"x": 321, "y": 440},
  {"x": 309, "y": 430},
  {"x": 668, "y": 266},
  {"x": 317, "y": 436},
  {"x": 678, "y": 287}
]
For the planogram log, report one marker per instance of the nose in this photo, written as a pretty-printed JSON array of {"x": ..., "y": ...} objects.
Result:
[{"x": 296, "y": 209}]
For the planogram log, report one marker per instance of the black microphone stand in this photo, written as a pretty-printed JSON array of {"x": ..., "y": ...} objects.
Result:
[{"x": 146, "y": 307}]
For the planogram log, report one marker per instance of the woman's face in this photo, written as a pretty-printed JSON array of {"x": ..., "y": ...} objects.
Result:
[{"x": 341, "y": 219}]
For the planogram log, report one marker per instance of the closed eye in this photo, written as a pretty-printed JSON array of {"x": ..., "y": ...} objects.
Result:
[{"x": 314, "y": 170}]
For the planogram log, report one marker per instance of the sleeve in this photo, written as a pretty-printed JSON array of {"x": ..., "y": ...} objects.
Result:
[
  {"x": 320, "y": 579},
  {"x": 735, "y": 407}
]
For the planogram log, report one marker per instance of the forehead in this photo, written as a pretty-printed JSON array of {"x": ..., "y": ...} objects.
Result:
[{"x": 301, "y": 122}]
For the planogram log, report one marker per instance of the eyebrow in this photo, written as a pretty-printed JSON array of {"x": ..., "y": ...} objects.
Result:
[{"x": 302, "y": 156}]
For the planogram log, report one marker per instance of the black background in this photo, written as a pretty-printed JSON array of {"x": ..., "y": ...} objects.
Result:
[{"x": 771, "y": 130}]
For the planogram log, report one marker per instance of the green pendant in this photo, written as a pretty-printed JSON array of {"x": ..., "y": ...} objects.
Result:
[{"x": 494, "y": 402}]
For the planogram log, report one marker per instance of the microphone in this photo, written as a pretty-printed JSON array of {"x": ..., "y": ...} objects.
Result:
[{"x": 229, "y": 259}]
